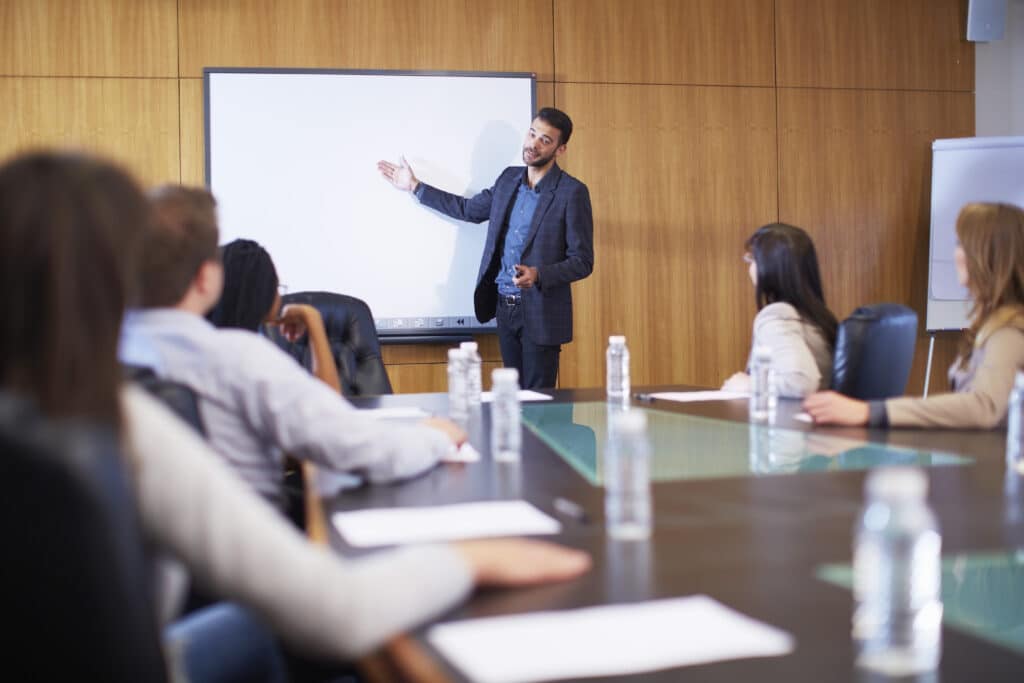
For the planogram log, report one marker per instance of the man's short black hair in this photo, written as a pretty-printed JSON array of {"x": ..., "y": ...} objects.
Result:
[{"x": 559, "y": 119}]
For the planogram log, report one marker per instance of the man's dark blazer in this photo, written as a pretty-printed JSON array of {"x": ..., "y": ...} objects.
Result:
[{"x": 560, "y": 245}]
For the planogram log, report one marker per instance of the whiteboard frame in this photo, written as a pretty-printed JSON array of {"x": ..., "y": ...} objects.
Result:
[{"x": 410, "y": 334}]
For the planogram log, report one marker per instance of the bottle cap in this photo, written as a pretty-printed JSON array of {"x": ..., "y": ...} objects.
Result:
[
  {"x": 468, "y": 346},
  {"x": 505, "y": 377},
  {"x": 630, "y": 421},
  {"x": 617, "y": 339},
  {"x": 896, "y": 483}
]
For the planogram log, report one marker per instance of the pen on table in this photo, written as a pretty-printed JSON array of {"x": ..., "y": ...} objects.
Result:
[
  {"x": 644, "y": 397},
  {"x": 571, "y": 509}
]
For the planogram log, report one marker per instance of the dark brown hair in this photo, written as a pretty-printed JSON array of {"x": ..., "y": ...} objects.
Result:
[
  {"x": 787, "y": 270},
  {"x": 250, "y": 287},
  {"x": 69, "y": 234},
  {"x": 558, "y": 119},
  {"x": 183, "y": 237}
]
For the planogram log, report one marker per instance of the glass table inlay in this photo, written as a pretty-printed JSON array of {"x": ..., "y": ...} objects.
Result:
[{"x": 691, "y": 447}]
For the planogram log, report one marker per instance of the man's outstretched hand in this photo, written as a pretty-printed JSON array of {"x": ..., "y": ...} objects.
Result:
[{"x": 399, "y": 175}]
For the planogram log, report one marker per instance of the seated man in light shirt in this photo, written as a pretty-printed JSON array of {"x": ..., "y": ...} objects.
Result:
[{"x": 256, "y": 402}]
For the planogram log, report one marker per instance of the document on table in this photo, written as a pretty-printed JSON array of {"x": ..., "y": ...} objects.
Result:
[
  {"x": 396, "y": 413},
  {"x": 605, "y": 641},
  {"x": 524, "y": 395},
  {"x": 695, "y": 396},
  {"x": 390, "y": 526}
]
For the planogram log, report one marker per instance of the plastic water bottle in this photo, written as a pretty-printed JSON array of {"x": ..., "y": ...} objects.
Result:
[
  {"x": 897, "y": 619},
  {"x": 764, "y": 395},
  {"x": 474, "y": 368},
  {"x": 617, "y": 362},
  {"x": 506, "y": 437},
  {"x": 1015, "y": 426},
  {"x": 627, "y": 481},
  {"x": 458, "y": 407}
]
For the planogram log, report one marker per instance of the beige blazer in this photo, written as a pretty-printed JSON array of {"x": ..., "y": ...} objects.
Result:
[
  {"x": 801, "y": 356},
  {"x": 982, "y": 389}
]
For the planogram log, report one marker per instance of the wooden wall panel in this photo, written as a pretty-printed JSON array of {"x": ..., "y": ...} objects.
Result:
[
  {"x": 193, "y": 132},
  {"x": 94, "y": 38},
  {"x": 679, "y": 176},
  {"x": 429, "y": 377},
  {"x": 399, "y": 354},
  {"x": 855, "y": 171},
  {"x": 908, "y": 44},
  {"x": 477, "y": 35},
  {"x": 720, "y": 42},
  {"x": 134, "y": 121}
]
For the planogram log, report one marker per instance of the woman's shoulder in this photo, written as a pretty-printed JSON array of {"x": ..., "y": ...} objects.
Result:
[
  {"x": 1008, "y": 337},
  {"x": 780, "y": 310}
]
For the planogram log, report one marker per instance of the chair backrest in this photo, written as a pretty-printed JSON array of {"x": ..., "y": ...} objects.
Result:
[
  {"x": 874, "y": 351},
  {"x": 179, "y": 397},
  {"x": 353, "y": 338},
  {"x": 76, "y": 584}
]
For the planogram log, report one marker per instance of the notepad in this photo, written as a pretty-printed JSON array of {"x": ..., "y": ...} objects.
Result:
[
  {"x": 524, "y": 395},
  {"x": 396, "y": 413},
  {"x": 695, "y": 396},
  {"x": 605, "y": 641},
  {"x": 391, "y": 526}
]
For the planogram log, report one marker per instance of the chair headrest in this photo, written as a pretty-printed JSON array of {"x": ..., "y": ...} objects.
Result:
[{"x": 874, "y": 351}]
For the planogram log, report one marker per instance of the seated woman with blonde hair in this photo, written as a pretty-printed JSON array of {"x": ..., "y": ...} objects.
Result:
[
  {"x": 989, "y": 260},
  {"x": 792, "y": 321}
]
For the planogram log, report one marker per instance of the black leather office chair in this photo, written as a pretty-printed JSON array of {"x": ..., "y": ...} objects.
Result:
[
  {"x": 874, "y": 351},
  {"x": 176, "y": 396},
  {"x": 77, "y": 594},
  {"x": 353, "y": 339}
]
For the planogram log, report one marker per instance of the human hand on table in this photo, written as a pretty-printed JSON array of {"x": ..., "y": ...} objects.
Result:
[
  {"x": 453, "y": 431},
  {"x": 830, "y": 407},
  {"x": 739, "y": 382},
  {"x": 521, "y": 561}
]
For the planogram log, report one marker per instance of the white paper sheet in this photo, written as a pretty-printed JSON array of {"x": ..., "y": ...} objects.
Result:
[
  {"x": 694, "y": 396},
  {"x": 396, "y": 413},
  {"x": 524, "y": 395},
  {"x": 364, "y": 528},
  {"x": 605, "y": 641}
]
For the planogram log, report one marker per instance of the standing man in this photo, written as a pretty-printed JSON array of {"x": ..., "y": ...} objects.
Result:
[{"x": 539, "y": 241}]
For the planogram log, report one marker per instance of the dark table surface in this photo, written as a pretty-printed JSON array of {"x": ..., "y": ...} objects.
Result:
[{"x": 752, "y": 543}]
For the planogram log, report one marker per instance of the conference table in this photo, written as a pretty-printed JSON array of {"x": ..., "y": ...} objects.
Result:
[{"x": 758, "y": 517}]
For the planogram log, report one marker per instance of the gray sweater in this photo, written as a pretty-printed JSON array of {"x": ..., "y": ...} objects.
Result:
[{"x": 195, "y": 509}]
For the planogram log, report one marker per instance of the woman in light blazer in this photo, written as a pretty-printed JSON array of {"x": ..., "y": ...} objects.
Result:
[{"x": 792, "y": 321}]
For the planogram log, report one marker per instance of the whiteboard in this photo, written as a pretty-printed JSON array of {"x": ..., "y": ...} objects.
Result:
[
  {"x": 965, "y": 170},
  {"x": 291, "y": 156}
]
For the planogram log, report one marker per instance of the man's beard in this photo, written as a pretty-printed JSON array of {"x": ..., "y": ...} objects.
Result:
[{"x": 539, "y": 161}]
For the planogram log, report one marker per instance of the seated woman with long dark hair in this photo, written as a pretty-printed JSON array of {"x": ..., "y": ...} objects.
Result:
[
  {"x": 70, "y": 232},
  {"x": 251, "y": 298},
  {"x": 792, "y": 320},
  {"x": 989, "y": 260}
]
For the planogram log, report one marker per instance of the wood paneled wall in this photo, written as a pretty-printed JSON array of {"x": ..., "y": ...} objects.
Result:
[{"x": 696, "y": 122}]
